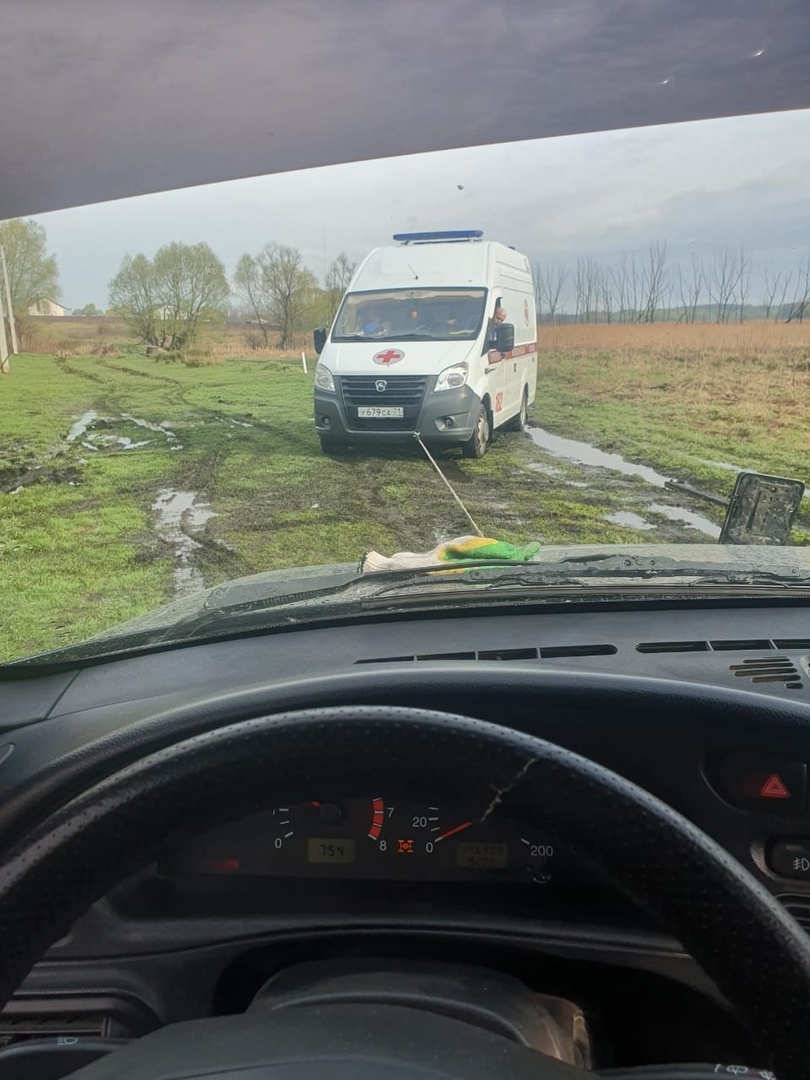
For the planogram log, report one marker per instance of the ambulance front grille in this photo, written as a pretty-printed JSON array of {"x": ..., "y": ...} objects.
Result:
[{"x": 397, "y": 391}]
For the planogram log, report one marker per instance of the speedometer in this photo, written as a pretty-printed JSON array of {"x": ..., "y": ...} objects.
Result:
[
  {"x": 419, "y": 829},
  {"x": 538, "y": 860}
]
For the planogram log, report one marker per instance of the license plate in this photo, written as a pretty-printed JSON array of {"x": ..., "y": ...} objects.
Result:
[{"x": 380, "y": 412}]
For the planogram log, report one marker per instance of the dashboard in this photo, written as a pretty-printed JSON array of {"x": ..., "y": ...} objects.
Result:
[
  {"x": 368, "y": 865},
  {"x": 372, "y": 838}
]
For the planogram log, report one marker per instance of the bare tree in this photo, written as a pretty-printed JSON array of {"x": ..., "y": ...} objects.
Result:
[
  {"x": 653, "y": 276},
  {"x": 667, "y": 294},
  {"x": 770, "y": 288},
  {"x": 723, "y": 282},
  {"x": 779, "y": 311},
  {"x": 277, "y": 287},
  {"x": 247, "y": 280},
  {"x": 690, "y": 288},
  {"x": 801, "y": 303},
  {"x": 623, "y": 290},
  {"x": 629, "y": 288},
  {"x": 743, "y": 281},
  {"x": 549, "y": 285},
  {"x": 606, "y": 295},
  {"x": 337, "y": 280},
  {"x": 586, "y": 288}
]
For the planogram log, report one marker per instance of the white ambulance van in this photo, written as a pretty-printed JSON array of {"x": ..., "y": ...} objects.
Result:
[{"x": 437, "y": 334}]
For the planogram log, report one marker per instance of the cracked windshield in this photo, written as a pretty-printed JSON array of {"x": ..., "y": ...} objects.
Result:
[{"x": 500, "y": 353}]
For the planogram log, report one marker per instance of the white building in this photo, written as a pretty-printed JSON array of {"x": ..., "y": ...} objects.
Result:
[{"x": 48, "y": 307}]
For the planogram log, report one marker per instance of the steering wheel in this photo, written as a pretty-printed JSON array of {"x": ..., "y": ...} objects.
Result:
[{"x": 756, "y": 954}]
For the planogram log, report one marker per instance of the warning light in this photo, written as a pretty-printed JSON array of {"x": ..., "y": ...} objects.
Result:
[
  {"x": 404, "y": 847},
  {"x": 774, "y": 788},
  {"x": 228, "y": 866}
]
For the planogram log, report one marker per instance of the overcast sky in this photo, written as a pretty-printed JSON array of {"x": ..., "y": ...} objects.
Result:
[{"x": 698, "y": 185}]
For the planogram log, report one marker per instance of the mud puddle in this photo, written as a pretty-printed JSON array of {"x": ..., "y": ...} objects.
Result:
[
  {"x": 677, "y": 514},
  {"x": 629, "y": 520},
  {"x": 581, "y": 453},
  {"x": 180, "y": 519},
  {"x": 82, "y": 424},
  {"x": 590, "y": 457},
  {"x": 689, "y": 518},
  {"x": 96, "y": 432}
]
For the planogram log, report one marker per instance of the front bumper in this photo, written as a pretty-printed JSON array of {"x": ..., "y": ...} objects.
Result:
[{"x": 448, "y": 416}]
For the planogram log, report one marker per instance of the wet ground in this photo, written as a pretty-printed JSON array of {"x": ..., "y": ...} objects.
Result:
[
  {"x": 180, "y": 519},
  {"x": 539, "y": 476},
  {"x": 174, "y": 479},
  {"x": 650, "y": 507}
]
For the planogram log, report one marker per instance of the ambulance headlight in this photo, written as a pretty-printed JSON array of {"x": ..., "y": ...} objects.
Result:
[
  {"x": 452, "y": 377},
  {"x": 324, "y": 379}
]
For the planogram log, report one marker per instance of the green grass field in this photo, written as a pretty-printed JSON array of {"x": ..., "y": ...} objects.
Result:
[{"x": 80, "y": 542}]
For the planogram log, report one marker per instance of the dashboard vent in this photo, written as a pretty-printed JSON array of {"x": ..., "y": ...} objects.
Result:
[
  {"x": 546, "y": 652},
  {"x": 16, "y": 1030},
  {"x": 799, "y": 908},
  {"x": 672, "y": 646},
  {"x": 24, "y": 1019},
  {"x": 723, "y": 645},
  {"x": 777, "y": 669}
]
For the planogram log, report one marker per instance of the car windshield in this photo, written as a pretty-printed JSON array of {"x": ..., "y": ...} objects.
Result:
[
  {"x": 602, "y": 347},
  {"x": 397, "y": 314}
]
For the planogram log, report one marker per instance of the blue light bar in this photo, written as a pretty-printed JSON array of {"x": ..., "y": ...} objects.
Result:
[{"x": 447, "y": 234}]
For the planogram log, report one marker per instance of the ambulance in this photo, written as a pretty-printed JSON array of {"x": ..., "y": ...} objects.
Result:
[{"x": 436, "y": 336}]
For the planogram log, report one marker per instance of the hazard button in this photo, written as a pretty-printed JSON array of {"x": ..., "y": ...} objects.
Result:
[{"x": 770, "y": 785}]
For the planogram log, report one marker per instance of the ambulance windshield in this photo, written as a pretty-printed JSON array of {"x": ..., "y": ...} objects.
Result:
[{"x": 407, "y": 314}]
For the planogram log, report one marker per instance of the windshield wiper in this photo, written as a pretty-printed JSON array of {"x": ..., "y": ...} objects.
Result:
[
  {"x": 632, "y": 568},
  {"x": 253, "y": 608}
]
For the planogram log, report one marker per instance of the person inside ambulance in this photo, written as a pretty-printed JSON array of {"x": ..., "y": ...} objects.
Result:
[
  {"x": 463, "y": 320},
  {"x": 491, "y": 339},
  {"x": 416, "y": 322}
]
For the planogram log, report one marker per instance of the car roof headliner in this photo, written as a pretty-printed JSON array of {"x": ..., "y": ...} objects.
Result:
[{"x": 101, "y": 99}]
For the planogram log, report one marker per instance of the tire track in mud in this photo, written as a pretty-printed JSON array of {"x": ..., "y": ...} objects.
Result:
[{"x": 533, "y": 482}]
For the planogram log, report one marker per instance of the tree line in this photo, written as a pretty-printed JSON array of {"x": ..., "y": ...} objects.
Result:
[
  {"x": 647, "y": 287},
  {"x": 165, "y": 299}
]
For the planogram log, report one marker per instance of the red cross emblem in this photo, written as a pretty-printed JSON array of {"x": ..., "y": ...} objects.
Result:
[{"x": 388, "y": 356}]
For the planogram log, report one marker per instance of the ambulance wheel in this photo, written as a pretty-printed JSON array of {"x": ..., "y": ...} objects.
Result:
[
  {"x": 477, "y": 444},
  {"x": 520, "y": 422},
  {"x": 332, "y": 446}
]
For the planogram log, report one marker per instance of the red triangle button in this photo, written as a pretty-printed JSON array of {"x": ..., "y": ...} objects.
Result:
[{"x": 774, "y": 788}]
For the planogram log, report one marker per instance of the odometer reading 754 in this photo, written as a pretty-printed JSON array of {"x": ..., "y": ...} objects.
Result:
[{"x": 325, "y": 850}]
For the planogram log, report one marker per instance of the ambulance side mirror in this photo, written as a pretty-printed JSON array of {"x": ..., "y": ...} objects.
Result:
[
  {"x": 505, "y": 337},
  {"x": 319, "y": 339}
]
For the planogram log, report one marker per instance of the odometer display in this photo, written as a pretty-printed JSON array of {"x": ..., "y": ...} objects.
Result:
[
  {"x": 482, "y": 856},
  {"x": 322, "y": 849}
]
